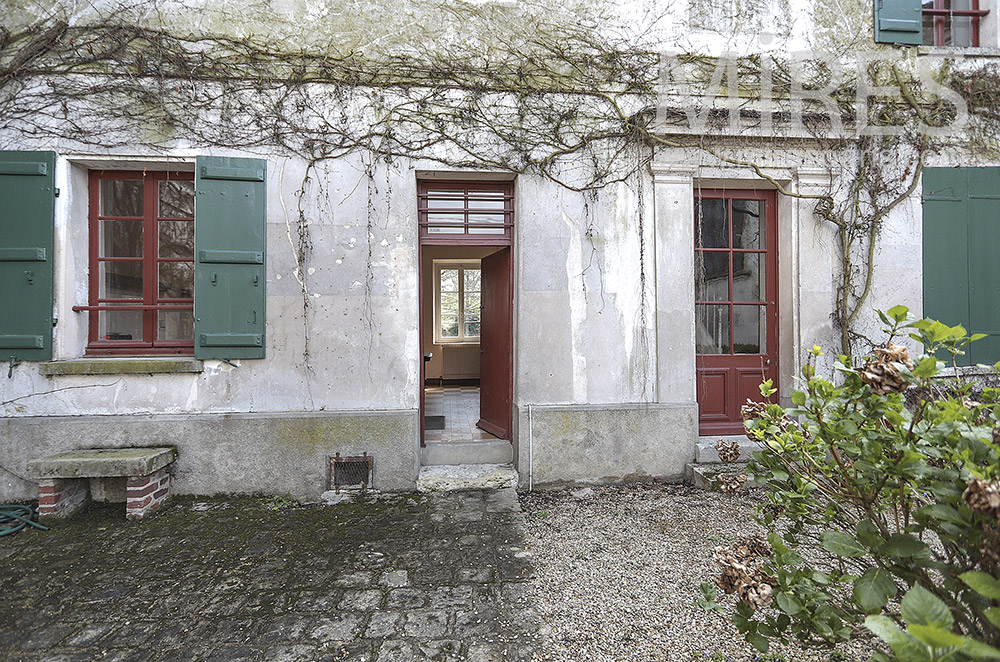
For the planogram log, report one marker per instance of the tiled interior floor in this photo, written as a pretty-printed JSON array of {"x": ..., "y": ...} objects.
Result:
[{"x": 460, "y": 407}]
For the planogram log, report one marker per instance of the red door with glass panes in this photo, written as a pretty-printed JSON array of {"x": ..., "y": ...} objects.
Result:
[{"x": 736, "y": 312}]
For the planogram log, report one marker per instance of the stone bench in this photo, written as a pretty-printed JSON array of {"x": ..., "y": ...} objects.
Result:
[{"x": 64, "y": 478}]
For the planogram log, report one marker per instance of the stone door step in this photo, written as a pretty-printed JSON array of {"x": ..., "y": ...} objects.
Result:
[
  {"x": 498, "y": 451},
  {"x": 450, "y": 478},
  {"x": 705, "y": 475},
  {"x": 705, "y": 451}
]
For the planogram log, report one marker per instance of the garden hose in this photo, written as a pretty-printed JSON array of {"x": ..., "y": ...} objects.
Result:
[{"x": 15, "y": 518}]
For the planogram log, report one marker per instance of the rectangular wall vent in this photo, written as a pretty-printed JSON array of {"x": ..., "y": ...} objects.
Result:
[{"x": 351, "y": 473}]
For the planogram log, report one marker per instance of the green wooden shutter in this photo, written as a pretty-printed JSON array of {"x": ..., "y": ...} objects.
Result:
[
  {"x": 984, "y": 265},
  {"x": 961, "y": 228},
  {"x": 229, "y": 258},
  {"x": 27, "y": 221},
  {"x": 946, "y": 246},
  {"x": 898, "y": 22}
]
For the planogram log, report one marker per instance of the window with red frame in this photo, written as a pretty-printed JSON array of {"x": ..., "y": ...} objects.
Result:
[
  {"x": 952, "y": 22},
  {"x": 141, "y": 263}
]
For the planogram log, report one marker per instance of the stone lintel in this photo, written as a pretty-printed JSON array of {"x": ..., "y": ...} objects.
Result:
[
  {"x": 116, "y": 366},
  {"x": 101, "y": 463}
]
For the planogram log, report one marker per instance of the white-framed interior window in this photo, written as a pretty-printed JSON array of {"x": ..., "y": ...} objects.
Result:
[{"x": 457, "y": 296}]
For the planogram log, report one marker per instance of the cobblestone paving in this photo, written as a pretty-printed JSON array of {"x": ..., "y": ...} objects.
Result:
[{"x": 398, "y": 578}]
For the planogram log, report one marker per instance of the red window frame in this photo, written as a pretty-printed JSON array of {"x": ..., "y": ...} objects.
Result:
[
  {"x": 151, "y": 303},
  {"x": 463, "y": 229},
  {"x": 942, "y": 17}
]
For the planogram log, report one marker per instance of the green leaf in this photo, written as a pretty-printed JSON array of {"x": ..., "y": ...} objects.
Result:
[
  {"x": 873, "y": 589},
  {"x": 926, "y": 367},
  {"x": 898, "y": 313},
  {"x": 993, "y": 615},
  {"x": 903, "y": 644},
  {"x": 868, "y": 535},
  {"x": 798, "y": 398},
  {"x": 935, "y": 636},
  {"x": 977, "y": 336},
  {"x": 977, "y": 650},
  {"x": 758, "y": 641},
  {"x": 942, "y": 512},
  {"x": 982, "y": 583},
  {"x": 788, "y": 603},
  {"x": 841, "y": 544},
  {"x": 921, "y": 607},
  {"x": 903, "y": 546}
]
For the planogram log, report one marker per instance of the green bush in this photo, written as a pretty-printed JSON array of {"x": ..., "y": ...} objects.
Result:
[{"x": 878, "y": 515}]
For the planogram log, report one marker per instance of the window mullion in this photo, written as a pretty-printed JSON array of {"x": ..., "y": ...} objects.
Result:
[{"x": 150, "y": 266}]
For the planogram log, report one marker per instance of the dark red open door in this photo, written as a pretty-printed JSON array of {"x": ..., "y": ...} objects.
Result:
[
  {"x": 496, "y": 345},
  {"x": 736, "y": 312}
]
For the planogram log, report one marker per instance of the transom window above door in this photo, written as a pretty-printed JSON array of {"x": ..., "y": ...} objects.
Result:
[
  {"x": 457, "y": 297},
  {"x": 141, "y": 262},
  {"x": 459, "y": 211}
]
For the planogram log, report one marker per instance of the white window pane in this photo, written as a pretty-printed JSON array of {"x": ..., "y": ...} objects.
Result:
[
  {"x": 473, "y": 279},
  {"x": 449, "y": 280},
  {"x": 449, "y": 327}
]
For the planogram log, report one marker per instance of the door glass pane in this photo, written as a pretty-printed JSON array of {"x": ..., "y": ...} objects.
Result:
[
  {"x": 175, "y": 325},
  {"x": 176, "y": 280},
  {"x": 712, "y": 329},
  {"x": 120, "y": 325},
  {"x": 176, "y": 239},
  {"x": 176, "y": 199},
  {"x": 749, "y": 329},
  {"x": 121, "y": 238},
  {"x": 473, "y": 279},
  {"x": 449, "y": 280},
  {"x": 472, "y": 304},
  {"x": 711, "y": 279},
  {"x": 748, "y": 224},
  {"x": 121, "y": 197},
  {"x": 120, "y": 280},
  {"x": 449, "y": 304},
  {"x": 711, "y": 224},
  {"x": 449, "y": 326},
  {"x": 749, "y": 283}
]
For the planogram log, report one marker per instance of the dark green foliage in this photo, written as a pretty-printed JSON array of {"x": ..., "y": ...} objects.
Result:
[{"x": 897, "y": 499}]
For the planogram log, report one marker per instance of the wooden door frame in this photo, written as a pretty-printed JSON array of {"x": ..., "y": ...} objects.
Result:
[
  {"x": 425, "y": 238},
  {"x": 772, "y": 334}
]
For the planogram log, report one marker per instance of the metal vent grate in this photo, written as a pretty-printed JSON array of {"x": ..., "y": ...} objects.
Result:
[{"x": 351, "y": 473}]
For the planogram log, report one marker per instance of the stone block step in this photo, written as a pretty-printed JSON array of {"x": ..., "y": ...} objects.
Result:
[
  {"x": 705, "y": 450},
  {"x": 499, "y": 451},
  {"x": 705, "y": 475},
  {"x": 450, "y": 478}
]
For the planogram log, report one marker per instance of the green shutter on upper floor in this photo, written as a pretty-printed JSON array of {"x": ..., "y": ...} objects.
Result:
[
  {"x": 984, "y": 262},
  {"x": 961, "y": 242},
  {"x": 27, "y": 222},
  {"x": 898, "y": 22},
  {"x": 229, "y": 244}
]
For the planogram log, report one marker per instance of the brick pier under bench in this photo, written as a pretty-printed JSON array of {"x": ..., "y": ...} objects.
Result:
[{"x": 64, "y": 479}]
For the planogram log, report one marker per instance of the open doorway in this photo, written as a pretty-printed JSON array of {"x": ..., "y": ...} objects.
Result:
[{"x": 466, "y": 306}]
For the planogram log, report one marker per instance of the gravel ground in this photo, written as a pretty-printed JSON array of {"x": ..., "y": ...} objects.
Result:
[{"x": 618, "y": 570}]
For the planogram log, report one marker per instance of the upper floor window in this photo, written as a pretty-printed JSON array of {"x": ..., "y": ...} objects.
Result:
[
  {"x": 952, "y": 22},
  {"x": 141, "y": 262}
]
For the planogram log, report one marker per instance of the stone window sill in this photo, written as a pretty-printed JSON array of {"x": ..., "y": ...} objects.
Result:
[{"x": 129, "y": 366}]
